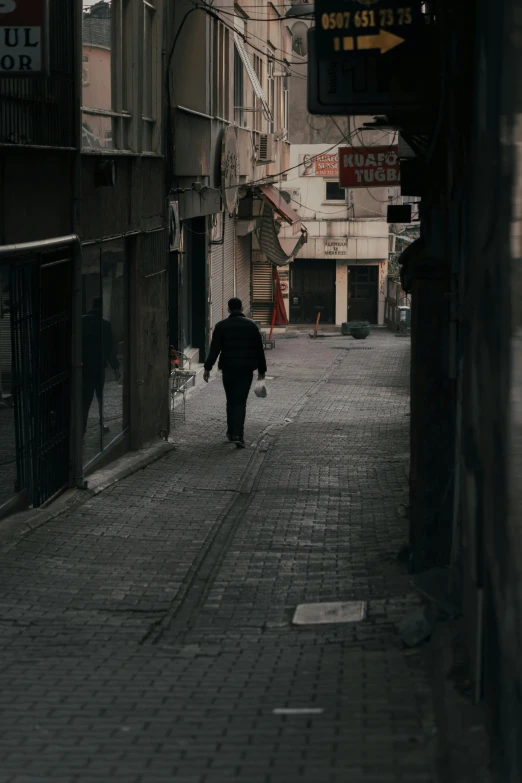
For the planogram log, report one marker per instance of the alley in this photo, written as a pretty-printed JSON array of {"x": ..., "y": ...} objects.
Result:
[{"x": 147, "y": 636}]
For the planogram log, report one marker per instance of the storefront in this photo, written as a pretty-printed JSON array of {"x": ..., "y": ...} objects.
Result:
[
  {"x": 312, "y": 290},
  {"x": 105, "y": 346}
]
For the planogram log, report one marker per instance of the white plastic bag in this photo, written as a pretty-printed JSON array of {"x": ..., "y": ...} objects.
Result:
[{"x": 260, "y": 389}]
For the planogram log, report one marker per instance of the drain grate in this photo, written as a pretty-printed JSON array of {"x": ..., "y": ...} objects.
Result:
[{"x": 358, "y": 348}]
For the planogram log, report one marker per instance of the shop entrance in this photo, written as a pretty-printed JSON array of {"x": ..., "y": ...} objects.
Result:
[
  {"x": 363, "y": 292},
  {"x": 312, "y": 285}
]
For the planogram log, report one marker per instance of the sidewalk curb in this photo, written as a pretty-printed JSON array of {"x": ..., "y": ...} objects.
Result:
[{"x": 15, "y": 527}]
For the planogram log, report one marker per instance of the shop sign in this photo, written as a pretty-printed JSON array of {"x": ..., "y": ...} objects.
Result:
[
  {"x": 230, "y": 169},
  {"x": 366, "y": 26},
  {"x": 335, "y": 247},
  {"x": 283, "y": 287},
  {"x": 369, "y": 167},
  {"x": 326, "y": 165},
  {"x": 23, "y": 37}
]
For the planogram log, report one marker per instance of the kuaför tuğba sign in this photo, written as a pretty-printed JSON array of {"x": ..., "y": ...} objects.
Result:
[
  {"x": 22, "y": 37},
  {"x": 369, "y": 167}
]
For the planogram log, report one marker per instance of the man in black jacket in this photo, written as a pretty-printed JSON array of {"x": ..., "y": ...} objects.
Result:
[{"x": 238, "y": 343}]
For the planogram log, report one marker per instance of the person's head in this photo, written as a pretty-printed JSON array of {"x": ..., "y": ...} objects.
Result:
[{"x": 235, "y": 305}]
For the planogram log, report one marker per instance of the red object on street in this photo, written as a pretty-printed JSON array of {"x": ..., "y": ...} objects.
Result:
[
  {"x": 281, "y": 318},
  {"x": 369, "y": 167},
  {"x": 274, "y": 314}
]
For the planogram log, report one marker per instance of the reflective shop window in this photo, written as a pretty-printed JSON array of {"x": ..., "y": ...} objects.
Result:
[{"x": 104, "y": 346}]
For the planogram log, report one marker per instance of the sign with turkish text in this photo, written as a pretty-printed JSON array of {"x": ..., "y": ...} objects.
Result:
[
  {"x": 345, "y": 27},
  {"x": 326, "y": 165},
  {"x": 369, "y": 167},
  {"x": 23, "y": 39}
]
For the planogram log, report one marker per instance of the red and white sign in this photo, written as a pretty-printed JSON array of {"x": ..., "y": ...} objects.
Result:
[
  {"x": 283, "y": 287},
  {"x": 326, "y": 165},
  {"x": 22, "y": 37},
  {"x": 369, "y": 167}
]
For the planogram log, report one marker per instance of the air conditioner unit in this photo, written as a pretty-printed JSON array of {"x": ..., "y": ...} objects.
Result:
[
  {"x": 266, "y": 148},
  {"x": 391, "y": 243}
]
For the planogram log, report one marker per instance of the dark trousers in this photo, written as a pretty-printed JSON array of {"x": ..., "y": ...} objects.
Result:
[
  {"x": 91, "y": 383},
  {"x": 237, "y": 385}
]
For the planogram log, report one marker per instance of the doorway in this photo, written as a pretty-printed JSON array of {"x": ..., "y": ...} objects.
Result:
[
  {"x": 363, "y": 289},
  {"x": 312, "y": 285}
]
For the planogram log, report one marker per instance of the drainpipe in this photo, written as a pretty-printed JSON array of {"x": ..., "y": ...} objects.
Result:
[{"x": 76, "y": 363}]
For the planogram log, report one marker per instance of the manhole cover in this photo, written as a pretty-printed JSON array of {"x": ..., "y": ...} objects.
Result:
[{"x": 334, "y": 612}]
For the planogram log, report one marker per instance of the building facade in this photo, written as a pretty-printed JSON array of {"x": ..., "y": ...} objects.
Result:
[
  {"x": 343, "y": 266},
  {"x": 228, "y": 109},
  {"x": 84, "y": 249}
]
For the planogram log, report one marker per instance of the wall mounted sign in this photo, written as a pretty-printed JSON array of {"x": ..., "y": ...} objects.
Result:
[
  {"x": 369, "y": 167},
  {"x": 326, "y": 165},
  {"x": 347, "y": 26},
  {"x": 369, "y": 70},
  {"x": 229, "y": 168},
  {"x": 23, "y": 37}
]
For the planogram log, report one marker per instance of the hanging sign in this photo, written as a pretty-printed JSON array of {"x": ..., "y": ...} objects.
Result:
[
  {"x": 369, "y": 167},
  {"x": 23, "y": 37},
  {"x": 347, "y": 26}
]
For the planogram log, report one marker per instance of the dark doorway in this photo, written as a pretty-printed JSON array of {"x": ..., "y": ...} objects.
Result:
[
  {"x": 363, "y": 293},
  {"x": 199, "y": 264},
  {"x": 185, "y": 288},
  {"x": 312, "y": 285}
]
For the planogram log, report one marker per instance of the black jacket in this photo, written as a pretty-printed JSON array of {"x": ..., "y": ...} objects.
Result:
[{"x": 238, "y": 343}]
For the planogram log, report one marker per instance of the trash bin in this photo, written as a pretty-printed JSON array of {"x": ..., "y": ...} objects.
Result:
[{"x": 404, "y": 316}]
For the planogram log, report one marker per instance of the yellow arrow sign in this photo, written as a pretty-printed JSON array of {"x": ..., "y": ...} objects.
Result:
[{"x": 384, "y": 41}]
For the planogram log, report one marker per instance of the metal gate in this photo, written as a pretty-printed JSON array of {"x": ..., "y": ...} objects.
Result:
[
  {"x": 363, "y": 290},
  {"x": 243, "y": 265},
  {"x": 262, "y": 292},
  {"x": 229, "y": 241},
  {"x": 216, "y": 278},
  {"x": 41, "y": 298},
  {"x": 312, "y": 286}
]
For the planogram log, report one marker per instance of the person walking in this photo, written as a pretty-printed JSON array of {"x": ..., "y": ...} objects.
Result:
[{"x": 238, "y": 343}]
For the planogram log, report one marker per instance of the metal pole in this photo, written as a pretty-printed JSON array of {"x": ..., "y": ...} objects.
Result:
[{"x": 76, "y": 336}]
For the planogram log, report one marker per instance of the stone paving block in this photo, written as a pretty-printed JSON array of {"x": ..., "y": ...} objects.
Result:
[{"x": 146, "y": 636}]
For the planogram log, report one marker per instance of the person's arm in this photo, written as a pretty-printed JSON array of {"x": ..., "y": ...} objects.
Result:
[
  {"x": 215, "y": 350},
  {"x": 261, "y": 357}
]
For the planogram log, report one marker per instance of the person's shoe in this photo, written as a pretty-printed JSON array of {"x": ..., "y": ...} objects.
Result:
[
  {"x": 239, "y": 442},
  {"x": 229, "y": 437}
]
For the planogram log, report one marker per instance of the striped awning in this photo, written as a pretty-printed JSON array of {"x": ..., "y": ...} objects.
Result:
[{"x": 269, "y": 241}]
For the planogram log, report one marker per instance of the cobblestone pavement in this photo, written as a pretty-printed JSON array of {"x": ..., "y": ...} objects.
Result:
[{"x": 148, "y": 636}]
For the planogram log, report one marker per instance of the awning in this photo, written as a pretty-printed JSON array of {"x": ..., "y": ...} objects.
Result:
[
  {"x": 273, "y": 197},
  {"x": 269, "y": 241}
]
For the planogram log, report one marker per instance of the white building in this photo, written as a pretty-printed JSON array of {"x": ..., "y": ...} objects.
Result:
[{"x": 343, "y": 266}]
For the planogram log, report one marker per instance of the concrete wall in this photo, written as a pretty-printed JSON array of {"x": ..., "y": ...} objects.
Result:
[{"x": 35, "y": 194}]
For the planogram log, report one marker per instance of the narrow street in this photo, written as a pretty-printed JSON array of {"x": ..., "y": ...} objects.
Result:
[{"x": 148, "y": 637}]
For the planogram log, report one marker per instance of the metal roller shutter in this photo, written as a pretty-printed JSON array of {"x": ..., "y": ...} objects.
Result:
[
  {"x": 229, "y": 259},
  {"x": 216, "y": 283},
  {"x": 243, "y": 266},
  {"x": 262, "y": 292}
]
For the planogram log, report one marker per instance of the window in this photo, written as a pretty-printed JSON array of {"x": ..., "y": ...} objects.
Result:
[
  {"x": 105, "y": 339},
  {"x": 334, "y": 192},
  {"x": 116, "y": 95},
  {"x": 239, "y": 89},
  {"x": 270, "y": 66},
  {"x": 258, "y": 106},
  {"x": 221, "y": 104},
  {"x": 151, "y": 77}
]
